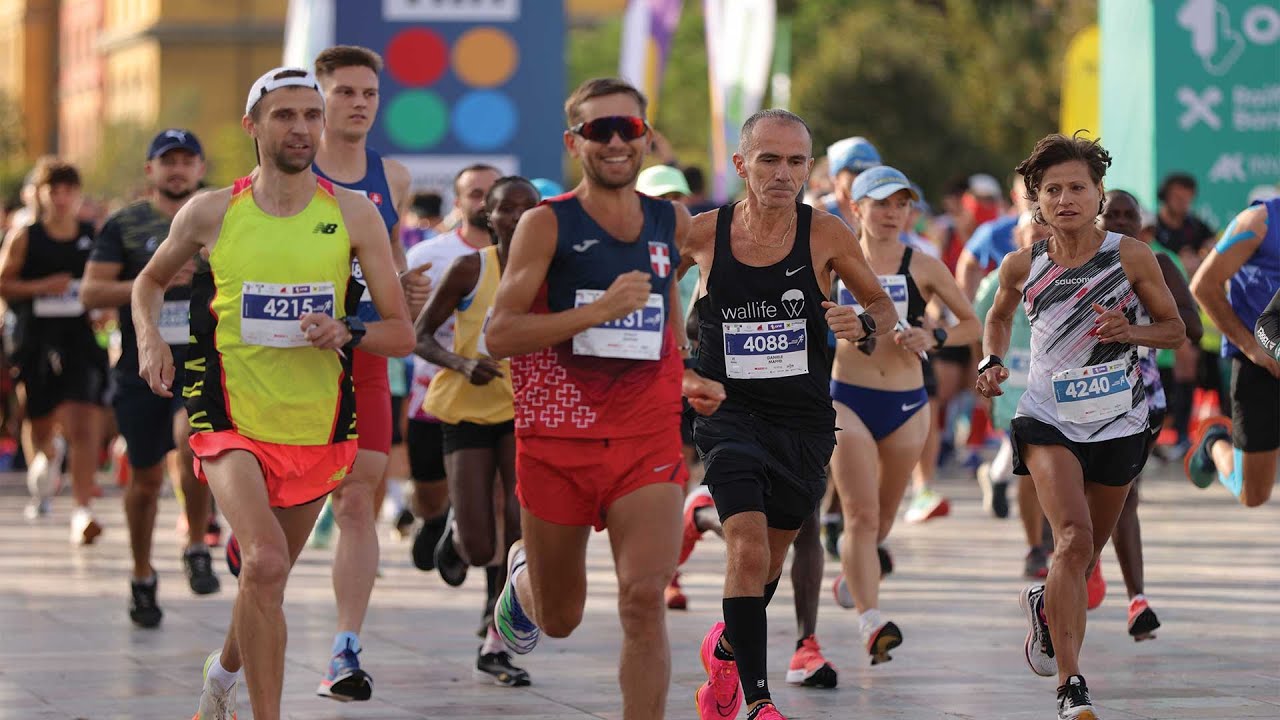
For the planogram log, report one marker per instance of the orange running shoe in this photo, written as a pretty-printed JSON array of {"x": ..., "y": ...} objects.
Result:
[
  {"x": 809, "y": 668},
  {"x": 1097, "y": 586}
]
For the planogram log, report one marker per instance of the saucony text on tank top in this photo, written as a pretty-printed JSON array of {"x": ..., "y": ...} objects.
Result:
[
  {"x": 250, "y": 368},
  {"x": 623, "y": 377},
  {"x": 1091, "y": 391},
  {"x": 762, "y": 332}
]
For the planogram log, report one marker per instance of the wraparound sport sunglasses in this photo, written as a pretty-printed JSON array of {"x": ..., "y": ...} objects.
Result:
[{"x": 602, "y": 130}]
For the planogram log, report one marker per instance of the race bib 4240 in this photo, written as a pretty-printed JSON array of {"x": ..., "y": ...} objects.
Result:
[
  {"x": 269, "y": 312},
  {"x": 1090, "y": 394}
]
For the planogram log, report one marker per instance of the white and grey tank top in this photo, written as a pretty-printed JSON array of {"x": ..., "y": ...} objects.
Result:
[{"x": 1090, "y": 391}]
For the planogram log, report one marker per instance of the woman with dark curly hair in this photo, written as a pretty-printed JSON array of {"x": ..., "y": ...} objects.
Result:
[{"x": 1092, "y": 298}]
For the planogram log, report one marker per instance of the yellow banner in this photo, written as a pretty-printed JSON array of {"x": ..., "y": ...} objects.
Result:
[{"x": 1080, "y": 88}]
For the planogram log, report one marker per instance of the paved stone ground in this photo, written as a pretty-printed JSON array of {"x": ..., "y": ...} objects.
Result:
[{"x": 1213, "y": 575}]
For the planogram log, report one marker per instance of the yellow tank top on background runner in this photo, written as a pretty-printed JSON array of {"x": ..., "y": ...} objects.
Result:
[
  {"x": 451, "y": 396},
  {"x": 250, "y": 369}
]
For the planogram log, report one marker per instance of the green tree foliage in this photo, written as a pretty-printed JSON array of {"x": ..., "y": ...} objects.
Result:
[
  {"x": 13, "y": 148},
  {"x": 942, "y": 87}
]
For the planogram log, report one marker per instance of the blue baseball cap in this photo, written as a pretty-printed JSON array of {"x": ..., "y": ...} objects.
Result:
[
  {"x": 174, "y": 139},
  {"x": 855, "y": 154},
  {"x": 920, "y": 203},
  {"x": 880, "y": 182}
]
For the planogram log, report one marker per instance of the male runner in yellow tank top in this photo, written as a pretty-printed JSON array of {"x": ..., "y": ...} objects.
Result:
[{"x": 268, "y": 385}]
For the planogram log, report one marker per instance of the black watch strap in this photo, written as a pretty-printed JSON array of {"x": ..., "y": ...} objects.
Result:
[
  {"x": 939, "y": 337},
  {"x": 990, "y": 362}
]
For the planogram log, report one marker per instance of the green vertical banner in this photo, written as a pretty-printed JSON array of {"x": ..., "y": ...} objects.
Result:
[
  {"x": 1194, "y": 86},
  {"x": 780, "y": 77}
]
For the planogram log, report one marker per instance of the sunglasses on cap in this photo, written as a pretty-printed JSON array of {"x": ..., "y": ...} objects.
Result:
[{"x": 602, "y": 130}]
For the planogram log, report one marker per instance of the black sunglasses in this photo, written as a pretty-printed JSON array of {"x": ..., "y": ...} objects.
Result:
[{"x": 602, "y": 130}]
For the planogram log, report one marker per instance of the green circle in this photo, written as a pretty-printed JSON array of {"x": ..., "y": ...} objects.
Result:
[{"x": 417, "y": 119}]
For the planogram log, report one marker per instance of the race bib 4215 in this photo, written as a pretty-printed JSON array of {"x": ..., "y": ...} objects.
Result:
[{"x": 269, "y": 312}]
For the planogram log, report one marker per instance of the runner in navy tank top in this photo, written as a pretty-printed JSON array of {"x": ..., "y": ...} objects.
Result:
[
  {"x": 1234, "y": 284},
  {"x": 348, "y": 75},
  {"x": 765, "y": 264},
  {"x": 1081, "y": 426},
  {"x": 587, "y": 310}
]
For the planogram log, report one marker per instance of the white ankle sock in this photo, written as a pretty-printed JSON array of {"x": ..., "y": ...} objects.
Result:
[
  {"x": 869, "y": 620},
  {"x": 221, "y": 676},
  {"x": 492, "y": 643}
]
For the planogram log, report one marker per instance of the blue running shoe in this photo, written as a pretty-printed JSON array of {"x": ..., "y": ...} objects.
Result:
[
  {"x": 518, "y": 631},
  {"x": 345, "y": 681},
  {"x": 1198, "y": 462}
]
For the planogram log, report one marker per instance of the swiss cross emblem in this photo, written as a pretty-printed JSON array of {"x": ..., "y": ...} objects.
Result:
[
  {"x": 376, "y": 197},
  {"x": 660, "y": 259}
]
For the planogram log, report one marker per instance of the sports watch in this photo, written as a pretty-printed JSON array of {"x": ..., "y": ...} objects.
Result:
[
  {"x": 989, "y": 362},
  {"x": 939, "y": 337},
  {"x": 868, "y": 325},
  {"x": 355, "y": 326}
]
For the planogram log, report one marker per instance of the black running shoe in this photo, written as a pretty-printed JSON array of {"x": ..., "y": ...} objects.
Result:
[
  {"x": 832, "y": 530},
  {"x": 199, "y": 565},
  {"x": 497, "y": 668},
  {"x": 1073, "y": 700},
  {"x": 404, "y": 523},
  {"x": 424, "y": 543},
  {"x": 452, "y": 568},
  {"x": 143, "y": 610},
  {"x": 886, "y": 560}
]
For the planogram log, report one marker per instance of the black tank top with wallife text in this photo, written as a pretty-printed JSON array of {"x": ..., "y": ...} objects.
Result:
[{"x": 762, "y": 333}]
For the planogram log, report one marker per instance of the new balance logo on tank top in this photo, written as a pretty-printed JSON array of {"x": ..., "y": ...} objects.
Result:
[
  {"x": 1090, "y": 391},
  {"x": 622, "y": 378},
  {"x": 373, "y": 186},
  {"x": 762, "y": 333}
]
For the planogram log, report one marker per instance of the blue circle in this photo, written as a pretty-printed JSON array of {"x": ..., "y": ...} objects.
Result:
[{"x": 484, "y": 120}]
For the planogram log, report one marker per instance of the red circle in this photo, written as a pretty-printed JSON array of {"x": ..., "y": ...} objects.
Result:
[{"x": 417, "y": 57}]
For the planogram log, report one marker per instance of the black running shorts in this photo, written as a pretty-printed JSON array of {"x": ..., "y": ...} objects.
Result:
[
  {"x": 145, "y": 419},
  {"x": 754, "y": 465},
  {"x": 473, "y": 436},
  {"x": 1255, "y": 407},
  {"x": 1114, "y": 462},
  {"x": 426, "y": 451}
]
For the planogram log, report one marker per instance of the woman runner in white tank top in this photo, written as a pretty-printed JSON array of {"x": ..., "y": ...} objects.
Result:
[{"x": 1079, "y": 431}]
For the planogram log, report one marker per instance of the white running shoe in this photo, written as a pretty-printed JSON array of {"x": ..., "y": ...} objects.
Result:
[
  {"x": 844, "y": 596},
  {"x": 216, "y": 703},
  {"x": 38, "y": 480},
  {"x": 1039, "y": 646}
]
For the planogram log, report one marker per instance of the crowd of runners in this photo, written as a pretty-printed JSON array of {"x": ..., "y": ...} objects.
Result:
[{"x": 626, "y": 356}]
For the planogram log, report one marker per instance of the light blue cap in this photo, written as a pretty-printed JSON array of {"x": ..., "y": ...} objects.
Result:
[
  {"x": 881, "y": 182},
  {"x": 853, "y": 153},
  {"x": 547, "y": 188}
]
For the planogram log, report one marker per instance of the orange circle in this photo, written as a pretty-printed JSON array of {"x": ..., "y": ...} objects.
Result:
[{"x": 485, "y": 57}]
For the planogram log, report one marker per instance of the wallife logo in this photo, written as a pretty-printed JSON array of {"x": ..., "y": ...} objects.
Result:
[{"x": 325, "y": 228}]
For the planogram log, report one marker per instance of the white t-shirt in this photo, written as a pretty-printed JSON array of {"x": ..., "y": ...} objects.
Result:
[{"x": 440, "y": 251}]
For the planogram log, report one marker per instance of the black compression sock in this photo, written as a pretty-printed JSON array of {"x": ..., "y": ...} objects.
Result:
[
  {"x": 746, "y": 629},
  {"x": 770, "y": 589}
]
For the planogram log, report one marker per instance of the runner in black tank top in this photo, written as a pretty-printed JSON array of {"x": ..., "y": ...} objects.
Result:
[
  {"x": 53, "y": 346},
  {"x": 881, "y": 405},
  {"x": 764, "y": 263}
]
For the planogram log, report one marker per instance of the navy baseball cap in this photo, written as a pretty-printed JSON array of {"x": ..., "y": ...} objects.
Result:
[
  {"x": 174, "y": 139},
  {"x": 880, "y": 182}
]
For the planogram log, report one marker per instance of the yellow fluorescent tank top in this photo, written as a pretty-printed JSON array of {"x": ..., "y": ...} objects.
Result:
[
  {"x": 451, "y": 396},
  {"x": 250, "y": 368}
]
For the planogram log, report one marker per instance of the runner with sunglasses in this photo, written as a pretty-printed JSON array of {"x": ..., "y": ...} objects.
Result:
[{"x": 587, "y": 311}]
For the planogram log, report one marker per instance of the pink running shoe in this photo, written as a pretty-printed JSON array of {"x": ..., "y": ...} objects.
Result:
[{"x": 720, "y": 697}]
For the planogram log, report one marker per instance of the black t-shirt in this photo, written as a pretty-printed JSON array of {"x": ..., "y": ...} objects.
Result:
[
  {"x": 47, "y": 321},
  {"x": 1193, "y": 234},
  {"x": 131, "y": 237}
]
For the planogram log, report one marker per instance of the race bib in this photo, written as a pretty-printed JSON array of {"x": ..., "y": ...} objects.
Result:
[
  {"x": 762, "y": 350},
  {"x": 65, "y": 305},
  {"x": 481, "y": 347},
  {"x": 1018, "y": 363},
  {"x": 894, "y": 285},
  {"x": 1090, "y": 394},
  {"x": 637, "y": 336},
  {"x": 269, "y": 312},
  {"x": 175, "y": 329}
]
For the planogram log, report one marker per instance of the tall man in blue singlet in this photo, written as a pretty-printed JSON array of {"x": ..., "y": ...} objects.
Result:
[
  {"x": 766, "y": 265},
  {"x": 348, "y": 76},
  {"x": 1233, "y": 285}
]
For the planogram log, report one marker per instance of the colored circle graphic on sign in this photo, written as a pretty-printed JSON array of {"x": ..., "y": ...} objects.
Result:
[
  {"x": 485, "y": 57},
  {"x": 417, "y": 57},
  {"x": 416, "y": 119},
  {"x": 484, "y": 120}
]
